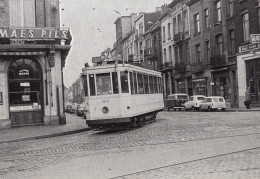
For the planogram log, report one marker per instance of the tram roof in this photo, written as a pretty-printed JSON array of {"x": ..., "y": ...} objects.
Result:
[{"x": 112, "y": 67}]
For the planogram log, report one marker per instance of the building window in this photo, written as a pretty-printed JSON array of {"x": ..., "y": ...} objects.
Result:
[
  {"x": 231, "y": 42},
  {"x": 187, "y": 52},
  {"x": 197, "y": 23},
  {"x": 218, "y": 12},
  {"x": 245, "y": 19},
  {"x": 164, "y": 55},
  {"x": 163, "y": 34},
  {"x": 141, "y": 28},
  {"x": 174, "y": 26},
  {"x": 169, "y": 31},
  {"x": 198, "y": 52},
  {"x": 179, "y": 23},
  {"x": 170, "y": 53},
  {"x": 22, "y": 13},
  {"x": 207, "y": 45},
  {"x": 219, "y": 49},
  {"x": 176, "y": 51},
  {"x": 186, "y": 23},
  {"x": 206, "y": 15},
  {"x": 230, "y": 11}
]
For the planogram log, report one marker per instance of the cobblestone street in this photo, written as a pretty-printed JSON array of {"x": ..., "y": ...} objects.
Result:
[{"x": 177, "y": 145}]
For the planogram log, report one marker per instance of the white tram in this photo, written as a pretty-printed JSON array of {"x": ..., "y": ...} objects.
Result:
[{"x": 121, "y": 95}]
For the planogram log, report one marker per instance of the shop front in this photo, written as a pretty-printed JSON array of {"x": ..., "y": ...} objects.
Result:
[
  {"x": 221, "y": 84},
  {"x": 31, "y": 77},
  {"x": 200, "y": 86},
  {"x": 248, "y": 69}
]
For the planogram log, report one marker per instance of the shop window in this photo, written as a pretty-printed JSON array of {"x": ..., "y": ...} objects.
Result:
[
  {"x": 115, "y": 83},
  {"x": 140, "y": 83},
  {"x": 181, "y": 87},
  {"x": 92, "y": 88},
  {"x": 22, "y": 13},
  {"x": 24, "y": 69}
]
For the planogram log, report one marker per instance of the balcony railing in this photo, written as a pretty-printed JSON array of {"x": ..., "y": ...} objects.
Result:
[
  {"x": 150, "y": 51},
  {"x": 165, "y": 66},
  {"x": 180, "y": 67},
  {"x": 178, "y": 37},
  {"x": 218, "y": 61},
  {"x": 199, "y": 67}
]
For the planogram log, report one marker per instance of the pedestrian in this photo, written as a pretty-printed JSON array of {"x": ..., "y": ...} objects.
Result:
[{"x": 247, "y": 98}]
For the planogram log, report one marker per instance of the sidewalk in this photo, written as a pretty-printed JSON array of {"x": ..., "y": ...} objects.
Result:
[
  {"x": 74, "y": 124},
  {"x": 243, "y": 109}
]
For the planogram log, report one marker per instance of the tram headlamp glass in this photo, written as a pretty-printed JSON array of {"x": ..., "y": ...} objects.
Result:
[{"x": 105, "y": 110}]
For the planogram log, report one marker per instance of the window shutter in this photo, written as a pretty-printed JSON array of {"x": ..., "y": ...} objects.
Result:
[
  {"x": 15, "y": 13},
  {"x": 29, "y": 13}
]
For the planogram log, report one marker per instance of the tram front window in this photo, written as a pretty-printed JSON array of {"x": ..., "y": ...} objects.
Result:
[{"x": 103, "y": 84}]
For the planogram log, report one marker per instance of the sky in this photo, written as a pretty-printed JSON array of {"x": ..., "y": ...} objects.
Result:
[{"x": 91, "y": 23}]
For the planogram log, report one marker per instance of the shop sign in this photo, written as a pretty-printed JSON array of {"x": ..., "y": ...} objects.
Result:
[
  {"x": 11, "y": 33},
  {"x": 249, "y": 47},
  {"x": 198, "y": 80},
  {"x": 255, "y": 38},
  {"x": 24, "y": 108}
]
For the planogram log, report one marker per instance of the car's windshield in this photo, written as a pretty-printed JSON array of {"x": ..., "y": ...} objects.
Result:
[
  {"x": 200, "y": 98},
  {"x": 182, "y": 97}
]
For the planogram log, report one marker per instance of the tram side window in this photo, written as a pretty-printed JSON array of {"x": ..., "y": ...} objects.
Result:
[
  {"x": 146, "y": 86},
  {"x": 140, "y": 83},
  {"x": 103, "y": 84},
  {"x": 155, "y": 84},
  {"x": 160, "y": 84},
  {"x": 85, "y": 85},
  {"x": 132, "y": 83},
  {"x": 115, "y": 83},
  {"x": 135, "y": 82},
  {"x": 124, "y": 81},
  {"x": 92, "y": 88},
  {"x": 151, "y": 84}
]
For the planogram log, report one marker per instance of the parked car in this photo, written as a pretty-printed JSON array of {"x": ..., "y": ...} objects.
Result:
[
  {"x": 194, "y": 102},
  {"x": 81, "y": 110},
  {"x": 213, "y": 103},
  {"x": 74, "y": 108},
  {"x": 68, "y": 108},
  {"x": 176, "y": 101}
]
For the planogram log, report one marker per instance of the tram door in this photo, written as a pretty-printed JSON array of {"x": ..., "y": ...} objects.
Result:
[{"x": 25, "y": 93}]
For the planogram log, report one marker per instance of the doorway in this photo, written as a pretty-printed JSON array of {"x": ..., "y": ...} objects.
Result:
[{"x": 25, "y": 92}]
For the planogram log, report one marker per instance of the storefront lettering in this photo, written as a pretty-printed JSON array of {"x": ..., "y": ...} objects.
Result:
[
  {"x": 249, "y": 47},
  {"x": 24, "y": 72},
  {"x": 33, "y": 33}
]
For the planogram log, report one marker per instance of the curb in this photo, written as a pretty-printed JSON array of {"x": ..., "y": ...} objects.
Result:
[{"x": 47, "y": 136}]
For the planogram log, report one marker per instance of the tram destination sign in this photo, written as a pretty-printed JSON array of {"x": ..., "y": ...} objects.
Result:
[{"x": 34, "y": 33}]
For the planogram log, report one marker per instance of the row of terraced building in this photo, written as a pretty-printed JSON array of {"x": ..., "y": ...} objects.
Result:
[{"x": 202, "y": 47}]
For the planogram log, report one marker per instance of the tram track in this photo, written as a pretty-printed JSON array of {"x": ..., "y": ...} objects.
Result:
[
  {"x": 90, "y": 147},
  {"x": 186, "y": 162}
]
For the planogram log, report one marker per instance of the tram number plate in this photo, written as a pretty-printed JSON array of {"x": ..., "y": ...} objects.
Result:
[{"x": 105, "y": 101}]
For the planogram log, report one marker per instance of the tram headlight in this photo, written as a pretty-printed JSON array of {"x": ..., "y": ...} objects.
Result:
[{"x": 105, "y": 110}]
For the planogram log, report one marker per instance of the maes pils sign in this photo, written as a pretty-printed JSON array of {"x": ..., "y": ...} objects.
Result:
[{"x": 11, "y": 33}]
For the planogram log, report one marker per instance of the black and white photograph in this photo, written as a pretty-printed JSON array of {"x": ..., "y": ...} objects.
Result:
[{"x": 129, "y": 89}]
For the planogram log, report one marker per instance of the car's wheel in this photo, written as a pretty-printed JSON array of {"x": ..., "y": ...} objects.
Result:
[
  {"x": 168, "y": 108},
  {"x": 185, "y": 109},
  {"x": 174, "y": 109},
  {"x": 209, "y": 109},
  {"x": 200, "y": 109},
  {"x": 192, "y": 108},
  {"x": 223, "y": 109}
]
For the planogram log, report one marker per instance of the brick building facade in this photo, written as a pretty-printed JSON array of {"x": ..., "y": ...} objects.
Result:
[{"x": 33, "y": 50}]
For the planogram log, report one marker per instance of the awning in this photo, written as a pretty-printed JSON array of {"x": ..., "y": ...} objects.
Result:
[{"x": 21, "y": 53}]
